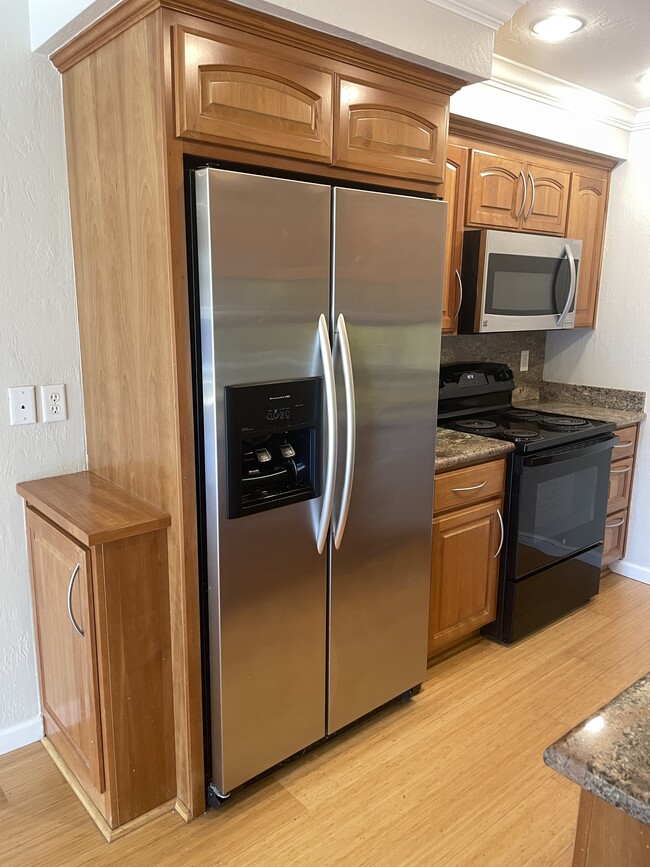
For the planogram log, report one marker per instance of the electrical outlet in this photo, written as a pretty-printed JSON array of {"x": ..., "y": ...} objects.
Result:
[
  {"x": 22, "y": 405},
  {"x": 523, "y": 364},
  {"x": 53, "y": 403}
]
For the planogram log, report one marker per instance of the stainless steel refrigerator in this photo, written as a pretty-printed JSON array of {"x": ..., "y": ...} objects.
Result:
[{"x": 320, "y": 318}]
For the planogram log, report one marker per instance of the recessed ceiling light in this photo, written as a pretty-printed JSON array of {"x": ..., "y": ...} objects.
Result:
[{"x": 557, "y": 27}]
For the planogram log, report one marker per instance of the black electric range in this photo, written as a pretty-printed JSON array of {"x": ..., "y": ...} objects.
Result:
[{"x": 555, "y": 500}]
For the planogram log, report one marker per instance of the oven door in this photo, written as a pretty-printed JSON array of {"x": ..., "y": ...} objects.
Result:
[
  {"x": 528, "y": 282},
  {"x": 560, "y": 504}
]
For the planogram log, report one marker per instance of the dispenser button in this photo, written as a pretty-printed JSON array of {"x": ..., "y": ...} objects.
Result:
[
  {"x": 287, "y": 450},
  {"x": 263, "y": 455}
]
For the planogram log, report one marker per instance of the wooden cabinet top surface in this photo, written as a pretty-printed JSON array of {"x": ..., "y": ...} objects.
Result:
[{"x": 91, "y": 509}]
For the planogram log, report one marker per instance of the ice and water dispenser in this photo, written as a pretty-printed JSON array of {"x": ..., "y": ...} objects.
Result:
[{"x": 272, "y": 444}]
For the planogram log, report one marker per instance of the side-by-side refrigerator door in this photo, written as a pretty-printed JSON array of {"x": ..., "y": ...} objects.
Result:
[
  {"x": 388, "y": 261},
  {"x": 264, "y": 263}
]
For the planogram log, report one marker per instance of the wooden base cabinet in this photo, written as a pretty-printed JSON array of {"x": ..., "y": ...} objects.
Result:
[
  {"x": 466, "y": 547},
  {"x": 98, "y": 563},
  {"x": 620, "y": 492}
]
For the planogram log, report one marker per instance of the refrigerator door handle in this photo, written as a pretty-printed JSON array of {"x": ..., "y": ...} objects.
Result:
[
  {"x": 351, "y": 438},
  {"x": 332, "y": 433}
]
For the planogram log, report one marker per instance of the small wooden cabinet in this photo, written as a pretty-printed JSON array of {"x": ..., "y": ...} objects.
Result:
[
  {"x": 620, "y": 491},
  {"x": 98, "y": 564},
  {"x": 467, "y": 541},
  {"x": 454, "y": 192},
  {"x": 510, "y": 193},
  {"x": 587, "y": 212}
]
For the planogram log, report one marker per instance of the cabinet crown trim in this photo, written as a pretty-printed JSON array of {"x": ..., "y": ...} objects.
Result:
[{"x": 90, "y": 509}]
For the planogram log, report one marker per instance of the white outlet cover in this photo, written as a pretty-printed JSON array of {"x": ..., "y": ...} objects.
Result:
[
  {"x": 54, "y": 406},
  {"x": 22, "y": 405}
]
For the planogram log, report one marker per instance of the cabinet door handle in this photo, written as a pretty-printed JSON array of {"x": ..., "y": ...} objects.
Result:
[
  {"x": 503, "y": 533},
  {"x": 523, "y": 198},
  {"x": 622, "y": 470},
  {"x": 624, "y": 445},
  {"x": 618, "y": 523},
  {"x": 532, "y": 197},
  {"x": 473, "y": 488},
  {"x": 77, "y": 628},
  {"x": 460, "y": 293}
]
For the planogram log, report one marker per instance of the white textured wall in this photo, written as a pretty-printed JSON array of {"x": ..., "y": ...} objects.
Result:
[
  {"x": 617, "y": 353},
  {"x": 415, "y": 29},
  {"x": 38, "y": 330}
]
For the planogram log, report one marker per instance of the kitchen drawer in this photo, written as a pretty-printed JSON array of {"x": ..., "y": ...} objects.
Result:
[
  {"x": 468, "y": 485},
  {"x": 626, "y": 444},
  {"x": 251, "y": 94},
  {"x": 615, "y": 536},
  {"x": 620, "y": 485}
]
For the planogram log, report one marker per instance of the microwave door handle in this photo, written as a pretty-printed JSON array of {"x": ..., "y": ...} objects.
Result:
[
  {"x": 351, "y": 420},
  {"x": 332, "y": 433},
  {"x": 572, "y": 285},
  {"x": 523, "y": 198}
]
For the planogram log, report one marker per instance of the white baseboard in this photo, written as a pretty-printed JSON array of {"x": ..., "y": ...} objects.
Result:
[
  {"x": 20, "y": 735},
  {"x": 631, "y": 570}
]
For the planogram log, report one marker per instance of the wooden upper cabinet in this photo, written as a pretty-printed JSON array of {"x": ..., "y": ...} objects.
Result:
[
  {"x": 454, "y": 193},
  {"x": 509, "y": 193},
  {"x": 242, "y": 94},
  {"x": 495, "y": 194},
  {"x": 586, "y": 221},
  {"x": 64, "y": 615},
  {"x": 547, "y": 200},
  {"x": 388, "y": 132}
]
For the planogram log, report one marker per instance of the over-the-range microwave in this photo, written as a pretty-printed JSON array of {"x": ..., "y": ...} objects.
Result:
[{"x": 513, "y": 281}]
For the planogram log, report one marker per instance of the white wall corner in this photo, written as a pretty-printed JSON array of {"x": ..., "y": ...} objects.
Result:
[
  {"x": 488, "y": 13},
  {"x": 642, "y": 120},
  {"x": 53, "y": 23},
  {"x": 14, "y": 737},
  {"x": 631, "y": 570}
]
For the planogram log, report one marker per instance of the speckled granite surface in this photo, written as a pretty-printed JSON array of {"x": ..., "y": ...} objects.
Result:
[
  {"x": 456, "y": 449},
  {"x": 591, "y": 395},
  {"x": 620, "y": 417},
  {"x": 609, "y": 754}
]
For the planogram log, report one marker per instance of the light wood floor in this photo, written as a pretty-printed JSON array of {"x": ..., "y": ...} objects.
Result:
[{"x": 454, "y": 777}]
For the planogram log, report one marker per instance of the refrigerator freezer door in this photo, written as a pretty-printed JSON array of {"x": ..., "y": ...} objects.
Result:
[
  {"x": 388, "y": 265},
  {"x": 264, "y": 260}
]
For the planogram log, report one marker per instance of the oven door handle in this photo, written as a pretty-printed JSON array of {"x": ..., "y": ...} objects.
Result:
[{"x": 579, "y": 449}]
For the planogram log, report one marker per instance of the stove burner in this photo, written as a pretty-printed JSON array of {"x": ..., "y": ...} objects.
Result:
[
  {"x": 566, "y": 422},
  {"x": 522, "y": 414},
  {"x": 477, "y": 424},
  {"x": 519, "y": 435}
]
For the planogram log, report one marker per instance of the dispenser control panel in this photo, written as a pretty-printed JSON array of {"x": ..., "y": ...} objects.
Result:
[{"x": 273, "y": 444}]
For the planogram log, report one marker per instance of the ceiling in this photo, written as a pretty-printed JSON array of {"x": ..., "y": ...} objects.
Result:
[{"x": 608, "y": 55}]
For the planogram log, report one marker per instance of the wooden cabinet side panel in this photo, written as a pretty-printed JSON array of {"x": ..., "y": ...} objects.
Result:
[
  {"x": 608, "y": 837},
  {"x": 134, "y": 641},
  {"x": 62, "y": 590},
  {"x": 586, "y": 222},
  {"x": 454, "y": 192},
  {"x": 117, "y": 166}
]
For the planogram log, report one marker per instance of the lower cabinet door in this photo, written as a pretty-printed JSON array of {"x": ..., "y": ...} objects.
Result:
[
  {"x": 62, "y": 590},
  {"x": 464, "y": 572}
]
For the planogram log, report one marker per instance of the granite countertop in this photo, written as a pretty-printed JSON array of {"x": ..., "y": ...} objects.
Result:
[
  {"x": 609, "y": 754},
  {"x": 620, "y": 417},
  {"x": 457, "y": 449}
]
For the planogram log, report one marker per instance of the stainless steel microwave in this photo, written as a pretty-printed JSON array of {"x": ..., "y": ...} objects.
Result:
[{"x": 513, "y": 281}]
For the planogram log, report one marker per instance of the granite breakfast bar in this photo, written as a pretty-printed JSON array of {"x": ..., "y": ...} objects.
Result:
[{"x": 608, "y": 755}]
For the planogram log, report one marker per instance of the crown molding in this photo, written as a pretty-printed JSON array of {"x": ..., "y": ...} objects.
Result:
[
  {"x": 489, "y": 13},
  {"x": 521, "y": 80}
]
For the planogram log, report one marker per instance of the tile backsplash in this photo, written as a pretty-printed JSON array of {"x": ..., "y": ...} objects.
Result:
[{"x": 506, "y": 348}]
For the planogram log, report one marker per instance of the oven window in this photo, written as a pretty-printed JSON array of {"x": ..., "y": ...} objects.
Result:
[
  {"x": 526, "y": 285},
  {"x": 564, "y": 504}
]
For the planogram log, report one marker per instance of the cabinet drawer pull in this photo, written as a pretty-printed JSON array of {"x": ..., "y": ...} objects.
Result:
[
  {"x": 500, "y": 517},
  {"x": 622, "y": 470},
  {"x": 472, "y": 488},
  {"x": 77, "y": 628},
  {"x": 618, "y": 523},
  {"x": 624, "y": 445}
]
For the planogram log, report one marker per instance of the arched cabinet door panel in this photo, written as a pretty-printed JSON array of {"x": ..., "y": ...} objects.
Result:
[
  {"x": 497, "y": 191},
  {"x": 586, "y": 221}
]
